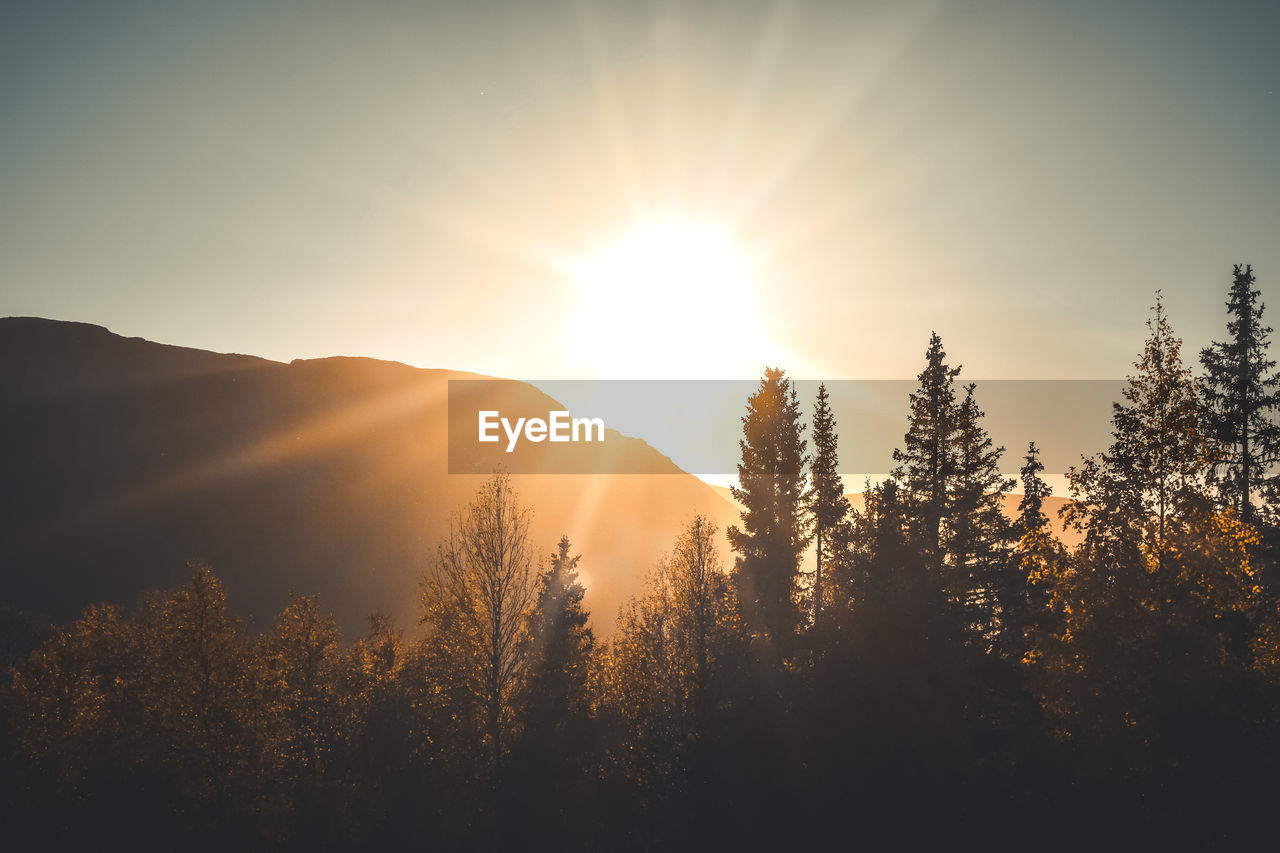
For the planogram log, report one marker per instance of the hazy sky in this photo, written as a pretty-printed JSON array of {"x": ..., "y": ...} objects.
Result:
[{"x": 414, "y": 181}]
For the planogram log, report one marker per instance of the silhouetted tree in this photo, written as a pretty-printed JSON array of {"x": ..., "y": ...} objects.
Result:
[
  {"x": 1241, "y": 392},
  {"x": 1035, "y": 491},
  {"x": 774, "y": 533},
  {"x": 483, "y": 588},
  {"x": 699, "y": 597},
  {"x": 976, "y": 530},
  {"x": 826, "y": 502},
  {"x": 559, "y": 644},
  {"x": 926, "y": 463},
  {"x": 1157, "y": 464},
  {"x": 1038, "y": 559},
  {"x": 152, "y": 724},
  {"x": 668, "y": 675},
  {"x": 382, "y": 731},
  {"x": 1152, "y": 612},
  {"x": 301, "y": 660},
  {"x": 550, "y": 755}
]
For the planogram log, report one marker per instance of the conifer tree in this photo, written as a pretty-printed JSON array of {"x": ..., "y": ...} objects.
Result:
[
  {"x": 1149, "y": 604},
  {"x": 977, "y": 532},
  {"x": 1035, "y": 491},
  {"x": 1038, "y": 559},
  {"x": 559, "y": 644},
  {"x": 771, "y": 487},
  {"x": 1156, "y": 465},
  {"x": 1241, "y": 392},
  {"x": 545, "y": 772},
  {"x": 881, "y": 543},
  {"x": 926, "y": 462},
  {"x": 826, "y": 502}
]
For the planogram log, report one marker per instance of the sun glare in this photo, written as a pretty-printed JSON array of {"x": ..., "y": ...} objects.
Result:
[{"x": 669, "y": 301}]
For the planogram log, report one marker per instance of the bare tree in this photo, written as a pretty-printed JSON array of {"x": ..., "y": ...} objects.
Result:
[{"x": 484, "y": 580}]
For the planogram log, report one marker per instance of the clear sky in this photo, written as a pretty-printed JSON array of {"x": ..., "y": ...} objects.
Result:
[{"x": 424, "y": 181}]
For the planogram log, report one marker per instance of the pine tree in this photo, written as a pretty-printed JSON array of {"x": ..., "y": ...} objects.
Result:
[
  {"x": 771, "y": 487},
  {"x": 1150, "y": 607},
  {"x": 977, "y": 532},
  {"x": 882, "y": 548},
  {"x": 559, "y": 644},
  {"x": 1240, "y": 391},
  {"x": 1031, "y": 517},
  {"x": 1038, "y": 560},
  {"x": 545, "y": 773},
  {"x": 926, "y": 462},
  {"x": 826, "y": 502},
  {"x": 1157, "y": 463}
]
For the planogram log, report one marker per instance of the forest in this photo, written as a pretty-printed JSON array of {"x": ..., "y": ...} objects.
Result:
[{"x": 945, "y": 676}]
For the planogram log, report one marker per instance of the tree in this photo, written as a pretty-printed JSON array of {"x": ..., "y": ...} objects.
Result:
[
  {"x": 1241, "y": 390},
  {"x": 546, "y": 769},
  {"x": 926, "y": 462},
  {"x": 481, "y": 592},
  {"x": 1038, "y": 558},
  {"x": 1151, "y": 612},
  {"x": 205, "y": 699},
  {"x": 826, "y": 502},
  {"x": 682, "y": 629},
  {"x": 881, "y": 544},
  {"x": 1157, "y": 464},
  {"x": 670, "y": 677},
  {"x": 301, "y": 657},
  {"x": 1035, "y": 491},
  {"x": 976, "y": 530},
  {"x": 771, "y": 481},
  {"x": 698, "y": 593},
  {"x": 156, "y": 721},
  {"x": 559, "y": 645}
]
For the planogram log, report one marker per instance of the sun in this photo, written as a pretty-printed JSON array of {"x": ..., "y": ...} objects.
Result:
[{"x": 670, "y": 300}]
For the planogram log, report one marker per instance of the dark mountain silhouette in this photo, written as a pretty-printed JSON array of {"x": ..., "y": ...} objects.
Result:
[{"x": 123, "y": 459}]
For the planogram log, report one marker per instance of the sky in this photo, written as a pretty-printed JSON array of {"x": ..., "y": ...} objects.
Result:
[{"x": 427, "y": 182}]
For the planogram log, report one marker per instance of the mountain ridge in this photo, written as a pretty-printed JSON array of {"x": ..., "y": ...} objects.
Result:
[{"x": 126, "y": 457}]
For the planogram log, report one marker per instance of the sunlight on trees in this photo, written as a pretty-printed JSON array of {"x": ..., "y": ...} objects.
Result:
[{"x": 951, "y": 665}]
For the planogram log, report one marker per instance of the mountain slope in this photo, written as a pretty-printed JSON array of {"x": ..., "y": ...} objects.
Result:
[{"x": 122, "y": 459}]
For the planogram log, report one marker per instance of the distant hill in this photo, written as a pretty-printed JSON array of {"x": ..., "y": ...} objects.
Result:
[{"x": 122, "y": 459}]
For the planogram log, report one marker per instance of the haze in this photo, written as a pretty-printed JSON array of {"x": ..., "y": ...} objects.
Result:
[{"x": 413, "y": 183}]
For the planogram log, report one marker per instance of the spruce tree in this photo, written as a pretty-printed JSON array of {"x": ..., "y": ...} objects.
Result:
[
  {"x": 559, "y": 643},
  {"x": 883, "y": 552},
  {"x": 1147, "y": 615},
  {"x": 1241, "y": 391},
  {"x": 926, "y": 462},
  {"x": 977, "y": 532},
  {"x": 826, "y": 502},
  {"x": 546, "y": 772},
  {"x": 1156, "y": 465},
  {"x": 1031, "y": 517},
  {"x": 1038, "y": 559},
  {"x": 773, "y": 535}
]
